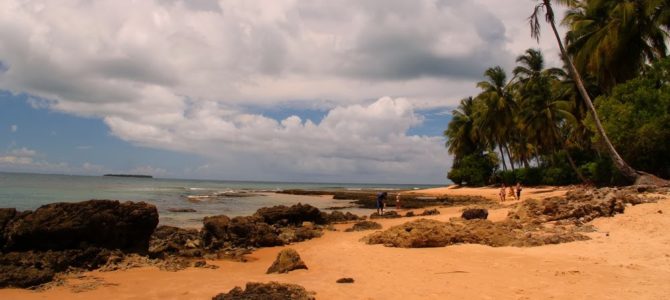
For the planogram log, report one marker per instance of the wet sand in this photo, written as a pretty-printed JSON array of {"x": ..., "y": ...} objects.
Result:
[{"x": 627, "y": 258}]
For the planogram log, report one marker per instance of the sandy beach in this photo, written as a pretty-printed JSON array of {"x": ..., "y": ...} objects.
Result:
[{"x": 628, "y": 257}]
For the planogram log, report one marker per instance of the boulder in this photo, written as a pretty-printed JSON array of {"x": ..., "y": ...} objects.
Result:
[
  {"x": 100, "y": 223},
  {"x": 475, "y": 213},
  {"x": 287, "y": 260},
  {"x": 293, "y": 215},
  {"x": 409, "y": 214},
  {"x": 292, "y": 234},
  {"x": 267, "y": 291},
  {"x": 364, "y": 225}
]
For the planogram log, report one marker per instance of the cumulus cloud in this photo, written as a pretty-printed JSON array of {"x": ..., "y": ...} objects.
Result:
[{"x": 181, "y": 75}]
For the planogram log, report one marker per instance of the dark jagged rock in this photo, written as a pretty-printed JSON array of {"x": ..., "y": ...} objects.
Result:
[
  {"x": 430, "y": 212},
  {"x": 267, "y": 291},
  {"x": 215, "y": 231},
  {"x": 252, "y": 232},
  {"x": 101, "y": 223},
  {"x": 31, "y": 268},
  {"x": 168, "y": 240},
  {"x": 364, "y": 225},
  {"x": 221, "y": 231},
  {"x": 6, "y": 215},
  {"x": 338, "y": 216},
  {"x": 345, "y": 280},
  {"x": 475, "y": 213},
  {"x": 409, "y": 214},
  {"x": 287, "y": 260},
  {"x": 387, "y": 215},
  {"x": 293, "y": 215}
]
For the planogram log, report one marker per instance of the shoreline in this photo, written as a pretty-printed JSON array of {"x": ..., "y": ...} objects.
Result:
[{"x": 626, "y": 257}]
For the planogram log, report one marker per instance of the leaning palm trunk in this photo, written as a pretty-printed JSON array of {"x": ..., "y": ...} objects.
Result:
[{"x": 620, "y": 164}]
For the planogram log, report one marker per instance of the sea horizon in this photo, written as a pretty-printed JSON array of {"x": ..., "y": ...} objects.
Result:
[{"x": 28, "y": 191}]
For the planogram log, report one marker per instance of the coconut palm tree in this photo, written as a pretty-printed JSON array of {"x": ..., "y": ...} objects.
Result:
[
  {"x": 545, "y": 7},
  {"x": 495, "y": 122},
  {"x": 613, "y": 39},
  {"x": 461, "y": 134}
]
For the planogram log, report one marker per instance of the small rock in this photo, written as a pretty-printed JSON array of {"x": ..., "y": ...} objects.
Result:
[
  {"x": 660, "y": 211},
  {"x": 287, "y": 260},
  {"x": 409, "y": 214},
  {"x": 430, "y": 212},
  {"x": 475, "y": 213},
  {"x": 345, "y": 280},
  {"x": 199, "y": 264},
  {"x": 364, "y": 225}
]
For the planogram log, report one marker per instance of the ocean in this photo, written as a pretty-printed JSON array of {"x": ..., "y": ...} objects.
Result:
[{"x": 207, "y": 197}]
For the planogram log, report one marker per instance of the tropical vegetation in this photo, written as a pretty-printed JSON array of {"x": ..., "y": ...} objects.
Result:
[{"x": 604, "y": 118}]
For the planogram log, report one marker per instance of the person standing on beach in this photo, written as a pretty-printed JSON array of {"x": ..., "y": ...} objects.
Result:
[
  {"x": 518, "y": 190},
  {"x": 502, "y": 193},
  {"x": 381, "y": 198},
  {"x": 397, "y": 201}
]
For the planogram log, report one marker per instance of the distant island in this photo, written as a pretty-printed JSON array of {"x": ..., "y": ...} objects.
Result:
[{"x": 129, "y": 175}]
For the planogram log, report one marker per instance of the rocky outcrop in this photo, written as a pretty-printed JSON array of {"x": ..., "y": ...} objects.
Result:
[
  {"x": 6, "y": 215},
  {"x": 364, "y": 225},
  {"x": 31, "y": 268},
  {"x": 57, "y": 237},
  {"x": 387, "y": 215},
  {"x": 338, "y": 217},
  {"x": 578, "y": 206},
  {"x": 169, "y": 240},
  {"x": 267, "y": 291},
  {"x": 293, "y": 215},
  {"x": 475, "y": 213},
  {"x": 287, "y": 260},
  {"x": 100, "y": 223},
  {"x": 430, "y": 233},
  {"x": 181, "y": 210}
]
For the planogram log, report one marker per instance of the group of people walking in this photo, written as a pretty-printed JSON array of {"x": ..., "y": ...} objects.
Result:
[{"x": 514, "y": 192}]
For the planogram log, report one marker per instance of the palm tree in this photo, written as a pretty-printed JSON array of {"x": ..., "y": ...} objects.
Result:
[
  {"x": 544, "y": 115},
  {"x": 613, "y": 39},
  {"x": 545, "y": 5},
  {"x": 461, "y": 134},
  {"x": 495, "y": 122}
]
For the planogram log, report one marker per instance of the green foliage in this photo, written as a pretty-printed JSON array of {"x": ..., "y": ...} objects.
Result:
[
  {"x": 637, "y": 119},
  {"x": 473, "y": 169}
]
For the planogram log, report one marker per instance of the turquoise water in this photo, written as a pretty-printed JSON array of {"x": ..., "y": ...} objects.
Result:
[{"x": 29, "y": 191}]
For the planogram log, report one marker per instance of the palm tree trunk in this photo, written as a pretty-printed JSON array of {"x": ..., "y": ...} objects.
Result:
[
  {"x": 509, "y": 155},
  {"x": 620, "y": 164},
  {"x": 574, "y": 167},
  {"x": 502, "y": 157}
]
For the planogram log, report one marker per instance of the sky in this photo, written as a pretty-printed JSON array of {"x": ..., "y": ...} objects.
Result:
[{"x": 283, "y": 90}]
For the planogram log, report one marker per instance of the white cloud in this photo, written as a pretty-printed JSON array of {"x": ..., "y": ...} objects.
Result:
[
  {"x": 177, "y": 75},
  {"x": 14, "y": 128}
]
